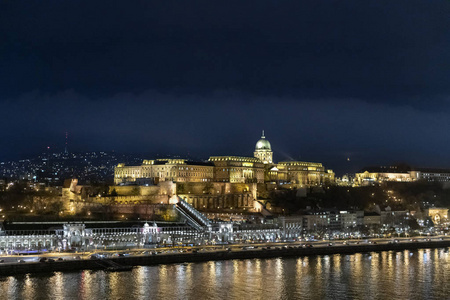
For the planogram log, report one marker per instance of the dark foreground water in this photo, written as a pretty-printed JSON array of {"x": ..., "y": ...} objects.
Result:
[{"x": 422, "y": 274}]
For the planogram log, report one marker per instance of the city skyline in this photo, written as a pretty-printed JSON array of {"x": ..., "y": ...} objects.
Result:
[
  {"x": 222, "y": 150},
  {"x": 347, "y": 167}
]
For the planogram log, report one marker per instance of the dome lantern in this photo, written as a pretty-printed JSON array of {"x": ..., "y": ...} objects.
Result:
[
  {"x": 263, "y": 144},
  {"x": 263, "y": 150}
]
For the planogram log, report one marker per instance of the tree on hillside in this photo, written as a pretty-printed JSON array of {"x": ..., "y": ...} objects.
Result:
[{"x": 135, "y": 191}]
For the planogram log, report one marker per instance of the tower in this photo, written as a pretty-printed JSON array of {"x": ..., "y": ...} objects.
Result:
[
  {"x": 65, "y": 148},
  {"x": 263, "y": 151}
]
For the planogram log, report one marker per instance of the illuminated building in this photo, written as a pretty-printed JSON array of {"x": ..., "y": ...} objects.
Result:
[
  {"x": 394, "y": 218},
  {"x": 439, "y": 215},
  {"x": 301, "y": 173},
  {"x": 430, "y": 174},
  {"x": 297, "y": 173},
  {"x": 401, "y": 173},
  {"x": 372, "y": 219},
  {"x": 177, "y": 170},
  {"x": 237, "y": 169},
  {"x": 231, "y": 169},
  {"x": 380, "y": 174},
  {"x": 321, "y": 220},
  {"x": 263, "y": 150}
]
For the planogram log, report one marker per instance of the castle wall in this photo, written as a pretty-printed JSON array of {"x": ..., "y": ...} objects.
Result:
[
  {"x": 143, "y": 211},
  {"x": 215, "y": 188},
  {"x": 224, "y": 201},
  {"x": 134, "y": 190},
  {"x": 163, "y": 188}
]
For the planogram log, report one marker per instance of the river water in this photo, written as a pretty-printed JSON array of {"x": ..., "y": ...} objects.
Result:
[{"x": 420, "y": 274}]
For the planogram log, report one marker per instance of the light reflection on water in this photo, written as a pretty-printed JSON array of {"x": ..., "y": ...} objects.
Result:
[{"x": 420, "y": 274}]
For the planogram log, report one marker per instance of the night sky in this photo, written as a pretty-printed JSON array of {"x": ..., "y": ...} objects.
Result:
[{"x": 326, "y": 80}]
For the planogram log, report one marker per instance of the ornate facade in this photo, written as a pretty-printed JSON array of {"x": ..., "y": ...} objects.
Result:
[
  {"x": 301, "y": 173},
  {"x": 228, "y": 169},
  {"x": 237, "y": 169},
  {"x": 263, "y": 150},
  {"x": 400, "y": 173},
  {"x": 177, "y": 170},
  {"x": 296, "y": 173}
]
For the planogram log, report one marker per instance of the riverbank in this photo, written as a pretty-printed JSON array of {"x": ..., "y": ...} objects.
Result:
[{"x": 189, "y": 257}]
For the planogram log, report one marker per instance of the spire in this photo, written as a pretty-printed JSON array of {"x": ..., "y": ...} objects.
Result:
[
  {"x": 263, "y": 134},
  {"x": 65, "y": 148}
]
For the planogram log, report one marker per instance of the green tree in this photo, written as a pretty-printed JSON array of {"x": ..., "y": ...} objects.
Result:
[
  {"x": 135, "y": 191},
  {"x": 56, "y": 207},
  {"x": 113, "y": 193},
  {"x": 181, "y": 189},
  {"x": 412, "y": 223}
]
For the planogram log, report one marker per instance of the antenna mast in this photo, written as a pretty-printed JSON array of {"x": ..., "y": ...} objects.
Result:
[{"x": 65, "y": 148}]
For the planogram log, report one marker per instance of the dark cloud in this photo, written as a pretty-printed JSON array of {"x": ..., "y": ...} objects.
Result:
[
  {"x": 329, "y": 130},
  {"x": 371, "y": 50}
]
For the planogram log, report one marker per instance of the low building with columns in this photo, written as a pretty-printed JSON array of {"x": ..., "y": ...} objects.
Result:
[{"x": 401, "y": 173}]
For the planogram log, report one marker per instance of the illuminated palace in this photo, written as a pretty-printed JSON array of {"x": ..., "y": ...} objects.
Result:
[
  {"x": 224, "y": 177},
  {"x": 400, "y": 173}
]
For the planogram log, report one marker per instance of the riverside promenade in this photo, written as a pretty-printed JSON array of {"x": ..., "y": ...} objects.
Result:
[{"x": 215, "y": 254}]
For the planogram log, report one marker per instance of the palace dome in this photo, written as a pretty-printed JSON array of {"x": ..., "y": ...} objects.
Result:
[{"x": 263, "y": 144}]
